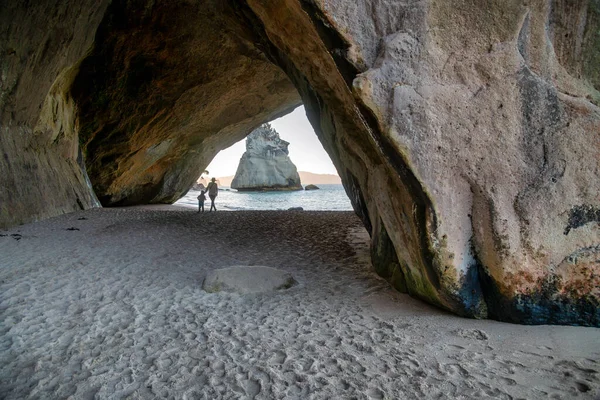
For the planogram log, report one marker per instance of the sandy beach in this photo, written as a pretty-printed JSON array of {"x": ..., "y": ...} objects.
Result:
[{"x": 108, "y": 304}]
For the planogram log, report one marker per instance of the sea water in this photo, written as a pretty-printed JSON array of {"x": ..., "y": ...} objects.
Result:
[{"x": 328, "y": 197}]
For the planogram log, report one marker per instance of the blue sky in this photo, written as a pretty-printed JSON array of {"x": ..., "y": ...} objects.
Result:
[{"x": 305, "y": 149}]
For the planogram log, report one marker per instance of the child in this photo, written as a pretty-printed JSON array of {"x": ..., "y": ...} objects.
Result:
[{"x": 201, "y": 199}]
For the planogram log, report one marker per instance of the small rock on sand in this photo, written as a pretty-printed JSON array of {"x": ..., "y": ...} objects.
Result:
[{"x": 247, "y": 279}]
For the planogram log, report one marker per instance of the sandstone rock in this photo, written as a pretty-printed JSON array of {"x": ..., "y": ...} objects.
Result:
[
  {"x": 465, "y": 142},
  {"x": 163, "y": 90},
  {"x": 135, "y": 94},
  {"x": 311, "y": 187},
  {"x": 42, "y": 171},
  {"x": 266, "y": 164},
  {"x": 468, "y": 145},
  {"x": 499, "y": 156},
  {"x": 247, "y": 279}
]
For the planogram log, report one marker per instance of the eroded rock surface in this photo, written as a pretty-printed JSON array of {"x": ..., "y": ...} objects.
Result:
[
  {"x": 164, "y": 89},
  {"x": 501, "y": 126},
  {"x": 42, "y": 172},
  {"x": 467, "y": 137},
  {"x": 465, "y": 143},
  {"x": 266, "y": 164}
]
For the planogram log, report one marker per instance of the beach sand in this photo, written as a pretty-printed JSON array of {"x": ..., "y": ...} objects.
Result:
[{"x": 107, "y": 304}]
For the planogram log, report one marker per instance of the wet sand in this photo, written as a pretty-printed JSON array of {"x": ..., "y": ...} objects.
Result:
[{"x": 107, "y": 304}]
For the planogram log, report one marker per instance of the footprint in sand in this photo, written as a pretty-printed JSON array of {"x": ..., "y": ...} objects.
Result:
[
  {"x": 477, "y": 334},
  {"x": 455, "y": 370},
  {"x": 508, "y": 381},
  {"x": 294, "y": 391},
  {"x": 375, "y": 393},
  {"x": 582, "y": 387},
  {"x": 252, "y": 387},
  {"x": 341, "y": 384}
]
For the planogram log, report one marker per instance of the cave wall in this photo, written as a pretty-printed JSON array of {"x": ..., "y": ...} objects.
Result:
[
  {"x": 41, "y": 169},
  {"x": 467, "y": 137},
  {"x": 378, "y": 179},
  {"x": 165, "y": 87},
  {"x": 470, "y": 144},
  {"x": 496, "y": 111},
  {"x": 133, "y": 98}
]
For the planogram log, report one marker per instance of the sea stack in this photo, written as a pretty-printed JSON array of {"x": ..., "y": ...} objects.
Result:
[{"x": 266, "y": 164}]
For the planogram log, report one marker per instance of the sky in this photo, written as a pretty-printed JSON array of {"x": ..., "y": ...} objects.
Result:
[{"x": 306, "y": 152}]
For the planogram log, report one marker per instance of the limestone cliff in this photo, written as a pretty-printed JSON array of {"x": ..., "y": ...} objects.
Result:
[
  {"x": 266, "y": 164},
  {"x": 469, "y": 145}
]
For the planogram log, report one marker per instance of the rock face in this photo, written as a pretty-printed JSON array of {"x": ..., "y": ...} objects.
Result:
[
  {"x": 491, "y": 123},
  {"x": 311, "y": 187},
  {"x": 42, "y": 170},
  {"x": 266, "y": 164},
  {"x": 141, "y": 95},
  {"x": 468, "y": 145}
]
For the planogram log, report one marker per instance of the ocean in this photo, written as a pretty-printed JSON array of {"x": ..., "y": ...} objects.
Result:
[{"x": 327, "y": 198}]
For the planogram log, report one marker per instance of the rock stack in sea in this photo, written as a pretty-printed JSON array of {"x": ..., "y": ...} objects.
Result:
[{"x": 266, "y": 164}]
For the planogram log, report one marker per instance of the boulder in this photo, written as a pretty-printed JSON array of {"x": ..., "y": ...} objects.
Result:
[
  {"x": 295, "y": 209},
  {"x": 311, "y": 187},
  {"x": 266, "y": 164},
  {"x": 247, "y": 279}
]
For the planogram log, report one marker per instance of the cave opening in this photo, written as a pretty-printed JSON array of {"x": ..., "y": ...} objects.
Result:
[
  {"x": 125, "y": 102},
  {"x": 131, "y": 104},
  {"x": 158, "y": 99},
  {"x": 158, "y": 92},
  {"x": 281, "y": 165}
]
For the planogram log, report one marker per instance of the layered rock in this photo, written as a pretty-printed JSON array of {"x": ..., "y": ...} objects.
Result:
[
  {"x": 468, "y": 145},
  {"x": 166, "y": 86},
  {"x": 143, "y": 95},
  {"x": 266, "y": 164},
  {"x": 42, "y": 171}
]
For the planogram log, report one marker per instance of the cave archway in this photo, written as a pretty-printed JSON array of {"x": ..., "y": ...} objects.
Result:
[
  {"x": 162, "y": 91},
  {"x": 281, "y": 165},
  {"x": 140, "y": 96}
]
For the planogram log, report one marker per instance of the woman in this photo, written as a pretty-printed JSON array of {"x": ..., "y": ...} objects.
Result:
[{"x": 213, "y": 191}]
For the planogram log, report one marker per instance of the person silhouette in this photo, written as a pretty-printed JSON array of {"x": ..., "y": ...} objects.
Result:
[
  {"x": 201, "y": 199},
  {"x": 213, "y": 191}
]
